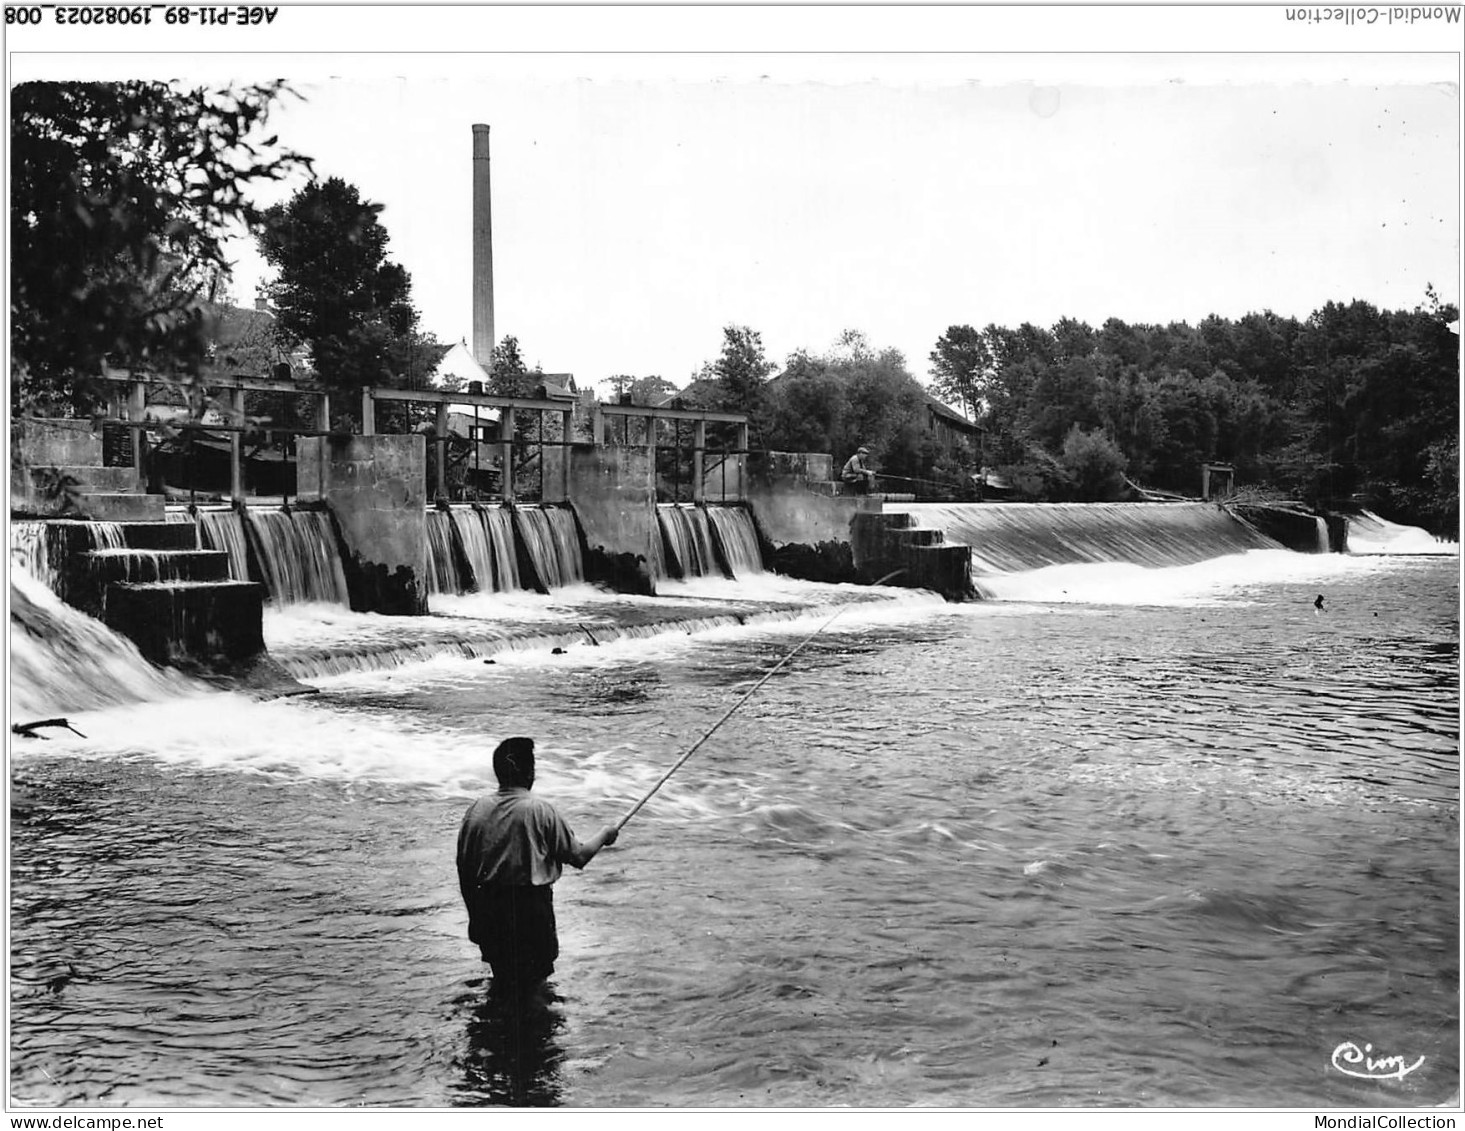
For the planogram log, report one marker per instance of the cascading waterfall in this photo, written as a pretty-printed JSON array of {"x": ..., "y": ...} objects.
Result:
[
  {"x": 107, "y": 535},
  {"x": 1370, "y": 534},
  {"x": 62, "y": 660},
  {"x": 498, "y": 524},
  {"x": 1011, "y": 537},
  {"x": 552, "y": 542},
  {"x": 1322, "y": 535},
  {"x": 566, "y": 536},
  {"x": 298, "y": 555},
  {"x": 734, "y": 527},
  {"x": 140, "y": 565},
  {"x": 31, "y": 545},
  {"x": 224, "y": 530},
  {"x": 29, "y": 553},
  {"x": 688, "y": 541},
  {"x": 657, "y": 563},
  {"x": 484, "y": 536},
  {"x": 472, "y": 527},
  {"x": 442, "y": 563}
]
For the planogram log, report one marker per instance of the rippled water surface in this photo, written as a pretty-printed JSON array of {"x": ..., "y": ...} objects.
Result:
[{"x": 1058, "y": 852}]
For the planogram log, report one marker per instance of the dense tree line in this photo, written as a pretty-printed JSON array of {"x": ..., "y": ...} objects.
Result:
[
  {"x": 853, "y": 394},
  {"x": 1353, "y": 404}
]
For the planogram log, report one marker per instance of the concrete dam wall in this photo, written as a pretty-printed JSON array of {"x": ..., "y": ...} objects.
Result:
[{"x": 362, "y": 535}]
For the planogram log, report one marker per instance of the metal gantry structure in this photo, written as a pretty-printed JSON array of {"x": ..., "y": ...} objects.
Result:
[{"x": 129, "y": 408}]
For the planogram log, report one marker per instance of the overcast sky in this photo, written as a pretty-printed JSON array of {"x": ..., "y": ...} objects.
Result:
[{"x": 641, "y": 203}]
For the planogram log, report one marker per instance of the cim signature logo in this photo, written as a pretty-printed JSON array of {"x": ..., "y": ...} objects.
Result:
[{"x": 1351, "y": 1060}]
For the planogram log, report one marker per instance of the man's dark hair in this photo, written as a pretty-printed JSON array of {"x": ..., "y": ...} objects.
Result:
[{"x": 513, "y": 762}]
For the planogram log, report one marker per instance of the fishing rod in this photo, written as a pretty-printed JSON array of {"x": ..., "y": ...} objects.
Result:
[
  {"x": 729, "y": 712},
  {"x": 908, "y": 479}
]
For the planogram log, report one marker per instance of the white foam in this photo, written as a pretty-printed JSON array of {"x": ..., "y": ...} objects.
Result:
[
  {"x": 1220, "y": 580},
  {"x": 1370, "y": 534},
  {"x": 291, "y": 737},
  {"x": 520, "y": 604},
  {"x": 63, "y": 661},
  {"x": 299, "y": 739}
]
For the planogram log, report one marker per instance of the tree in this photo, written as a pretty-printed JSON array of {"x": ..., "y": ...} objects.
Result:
[
  {"x": 1262, "y": 350},
  {"x": 508, "y": 375},
  {"x": 1190, "y": 433},
  {"x": 857, "y": 395},
  {"x": 1094, "y": 467},
  {"x": 1064, "y": 393},
  {"x": 1381, "y": 391},
  {"x": 1440, "y": 510},
  {"x": 1130, "y": 411},
  {"x": 1019, "y": 357},
  {"x": 1353, "y": 405},
  {"x": 414, "y": 357},
  {"x": 1130, "y": 344},
  {"x": 122, "y": 196},
  {"x": 961, "y": 365},
  {"x": 742, "y": 371},
  {"x": 643, "y": 390},
  {"x": 1074, "y": 339},
  {"x": 337, "y": 292},
  {"x": 1026, "y": 343}
]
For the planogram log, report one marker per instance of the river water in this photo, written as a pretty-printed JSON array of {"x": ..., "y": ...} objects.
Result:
[{"x": 1164, "y": 838}]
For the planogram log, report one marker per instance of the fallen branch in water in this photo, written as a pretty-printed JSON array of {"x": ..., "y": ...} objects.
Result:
[{"x": 28, "y": 730}]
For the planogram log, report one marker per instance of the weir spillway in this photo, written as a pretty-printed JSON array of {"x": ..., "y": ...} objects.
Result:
[
  {"x": 1012, "y": 537},
  {"x": 510, "y": 579},
  {"x": 483, "y": 563}
]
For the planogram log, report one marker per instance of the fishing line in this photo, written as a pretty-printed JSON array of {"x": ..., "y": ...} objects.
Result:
[{"x": 729, "y": 712}]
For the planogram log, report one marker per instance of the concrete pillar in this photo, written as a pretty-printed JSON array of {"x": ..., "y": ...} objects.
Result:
[
  {"x": 368, "y": 413},
  {"x": 597, "y": 427},
  {"x": 743, "y": 461},
  {"x": 236, "y": 445},
  {"x": 567, "y": 424},
  {"x": 506, "y": 448},
  {"x": 376, "y": 488},
  {"x": 440, "y": 438},
  {"x": 651, "y": 450},
  {"x": 137, "y": 402},
  {"x": 482, "y": 251},
  {"x": 699, "y": 461},
  {"x": 617, "y": 511},
  {"x": 323, "y": 412}
]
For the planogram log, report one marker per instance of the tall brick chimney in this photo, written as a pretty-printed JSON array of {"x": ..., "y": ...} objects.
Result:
[{"x": 483, "y": 339}]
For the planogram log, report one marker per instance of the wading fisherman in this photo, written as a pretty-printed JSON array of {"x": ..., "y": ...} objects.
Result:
[
  {"x": 511, "y": 849},
  {"x": 857, "y": 474}
]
